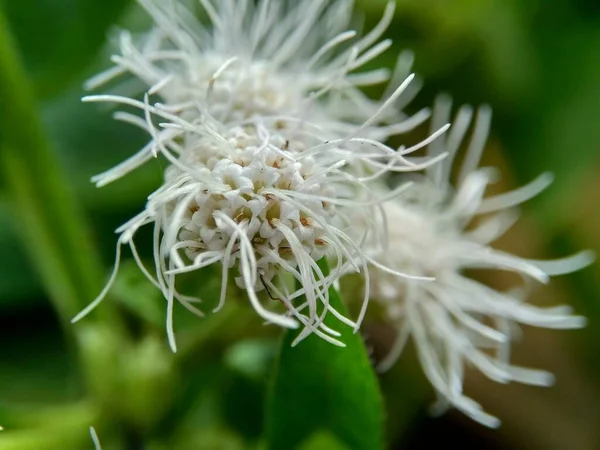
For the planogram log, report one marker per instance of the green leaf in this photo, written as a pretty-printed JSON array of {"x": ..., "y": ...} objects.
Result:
[
  {"x": 18, "y": 282},
  {"x": 568, "y": 122},
  {"x": 251, "y": 358},
  {"x": 209, "y": 438},
  {"x": 134, "y": 381},
  {"x": 138, "y": 295},
  {"x": 49, "y": 219},
  {"x": 324, "y": 441},
  {"x": 59, "y": 38},
  {"x": 317, "y": 386}
]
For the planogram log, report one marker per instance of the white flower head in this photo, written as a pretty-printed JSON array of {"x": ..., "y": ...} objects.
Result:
[
  {"x": 454, "y": 320},
  {"x": 270, "y": 148},
  {"x": 265, "y": 199},
  {"x": 295, "y": 60}
]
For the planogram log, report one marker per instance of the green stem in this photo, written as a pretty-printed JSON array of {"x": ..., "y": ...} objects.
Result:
[{"x": 51, "y": 224}]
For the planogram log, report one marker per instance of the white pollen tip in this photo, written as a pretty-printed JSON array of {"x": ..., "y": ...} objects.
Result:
[
  {"x": 579, "y": 322},
  {"x": 493, "y": 423},
  {"x": 547, "y": 178},
  {"x": 548, "y": 380},
  {"x": 95, "y": 439},
  {"x": 586, "y": 258}
]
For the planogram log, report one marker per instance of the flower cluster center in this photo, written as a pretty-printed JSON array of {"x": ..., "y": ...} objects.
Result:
[{"x": 254, "y": 180}]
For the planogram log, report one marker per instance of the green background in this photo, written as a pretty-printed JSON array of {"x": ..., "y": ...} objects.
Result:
[{"x": 535, "y": 62}]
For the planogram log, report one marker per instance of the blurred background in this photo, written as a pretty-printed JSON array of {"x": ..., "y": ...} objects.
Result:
[{"x": 535, "y": 62}]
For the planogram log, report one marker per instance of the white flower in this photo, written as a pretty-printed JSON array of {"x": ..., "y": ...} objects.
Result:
[
  {"x": 265, "y": 200},
  {"x": 266, "y": 195},
  {"x": 454, "y": 320},
  {"x": 270, "y": 149},
  {"x": 279, "y": 59}
]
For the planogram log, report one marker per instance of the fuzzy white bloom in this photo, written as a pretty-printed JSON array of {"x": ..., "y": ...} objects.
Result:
[
  {"x": 270, "y": 148},
  {"x": 266, "y": 199},
  {"x": 285, "y": 59},
  {"x": 439, "y": 231}
]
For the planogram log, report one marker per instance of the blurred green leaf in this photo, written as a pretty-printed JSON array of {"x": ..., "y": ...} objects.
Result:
[
  {"x": 197, "y": 403},
  {"x": 134, "y": 381},
  {"x": 207, "y": 438},
  {"x": 243, "y": 397},
  {"x": 318, "y": 386},
  {"x": 138, "y": 295},
  {"x": 52, "y": 228},
  {"x": 18, "y": 282},
  {"x": 251, "y": 357},
  {"x": 324, "y": 440},
  {"x": 565, "y": 138},
  {"x": 88, "y": 141},
  {"x": 59, "y": 38},
  {"x": 18, "y": 416},
  {"x": 73, "y": 435}
]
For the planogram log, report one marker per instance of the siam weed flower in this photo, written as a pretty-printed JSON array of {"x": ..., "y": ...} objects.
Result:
[
  {"x": 438, "y": 230},
  {"x": 266, "y": 200},
  {"x": 270, "y": 149},
  {"x": 270, "y": 59}
]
